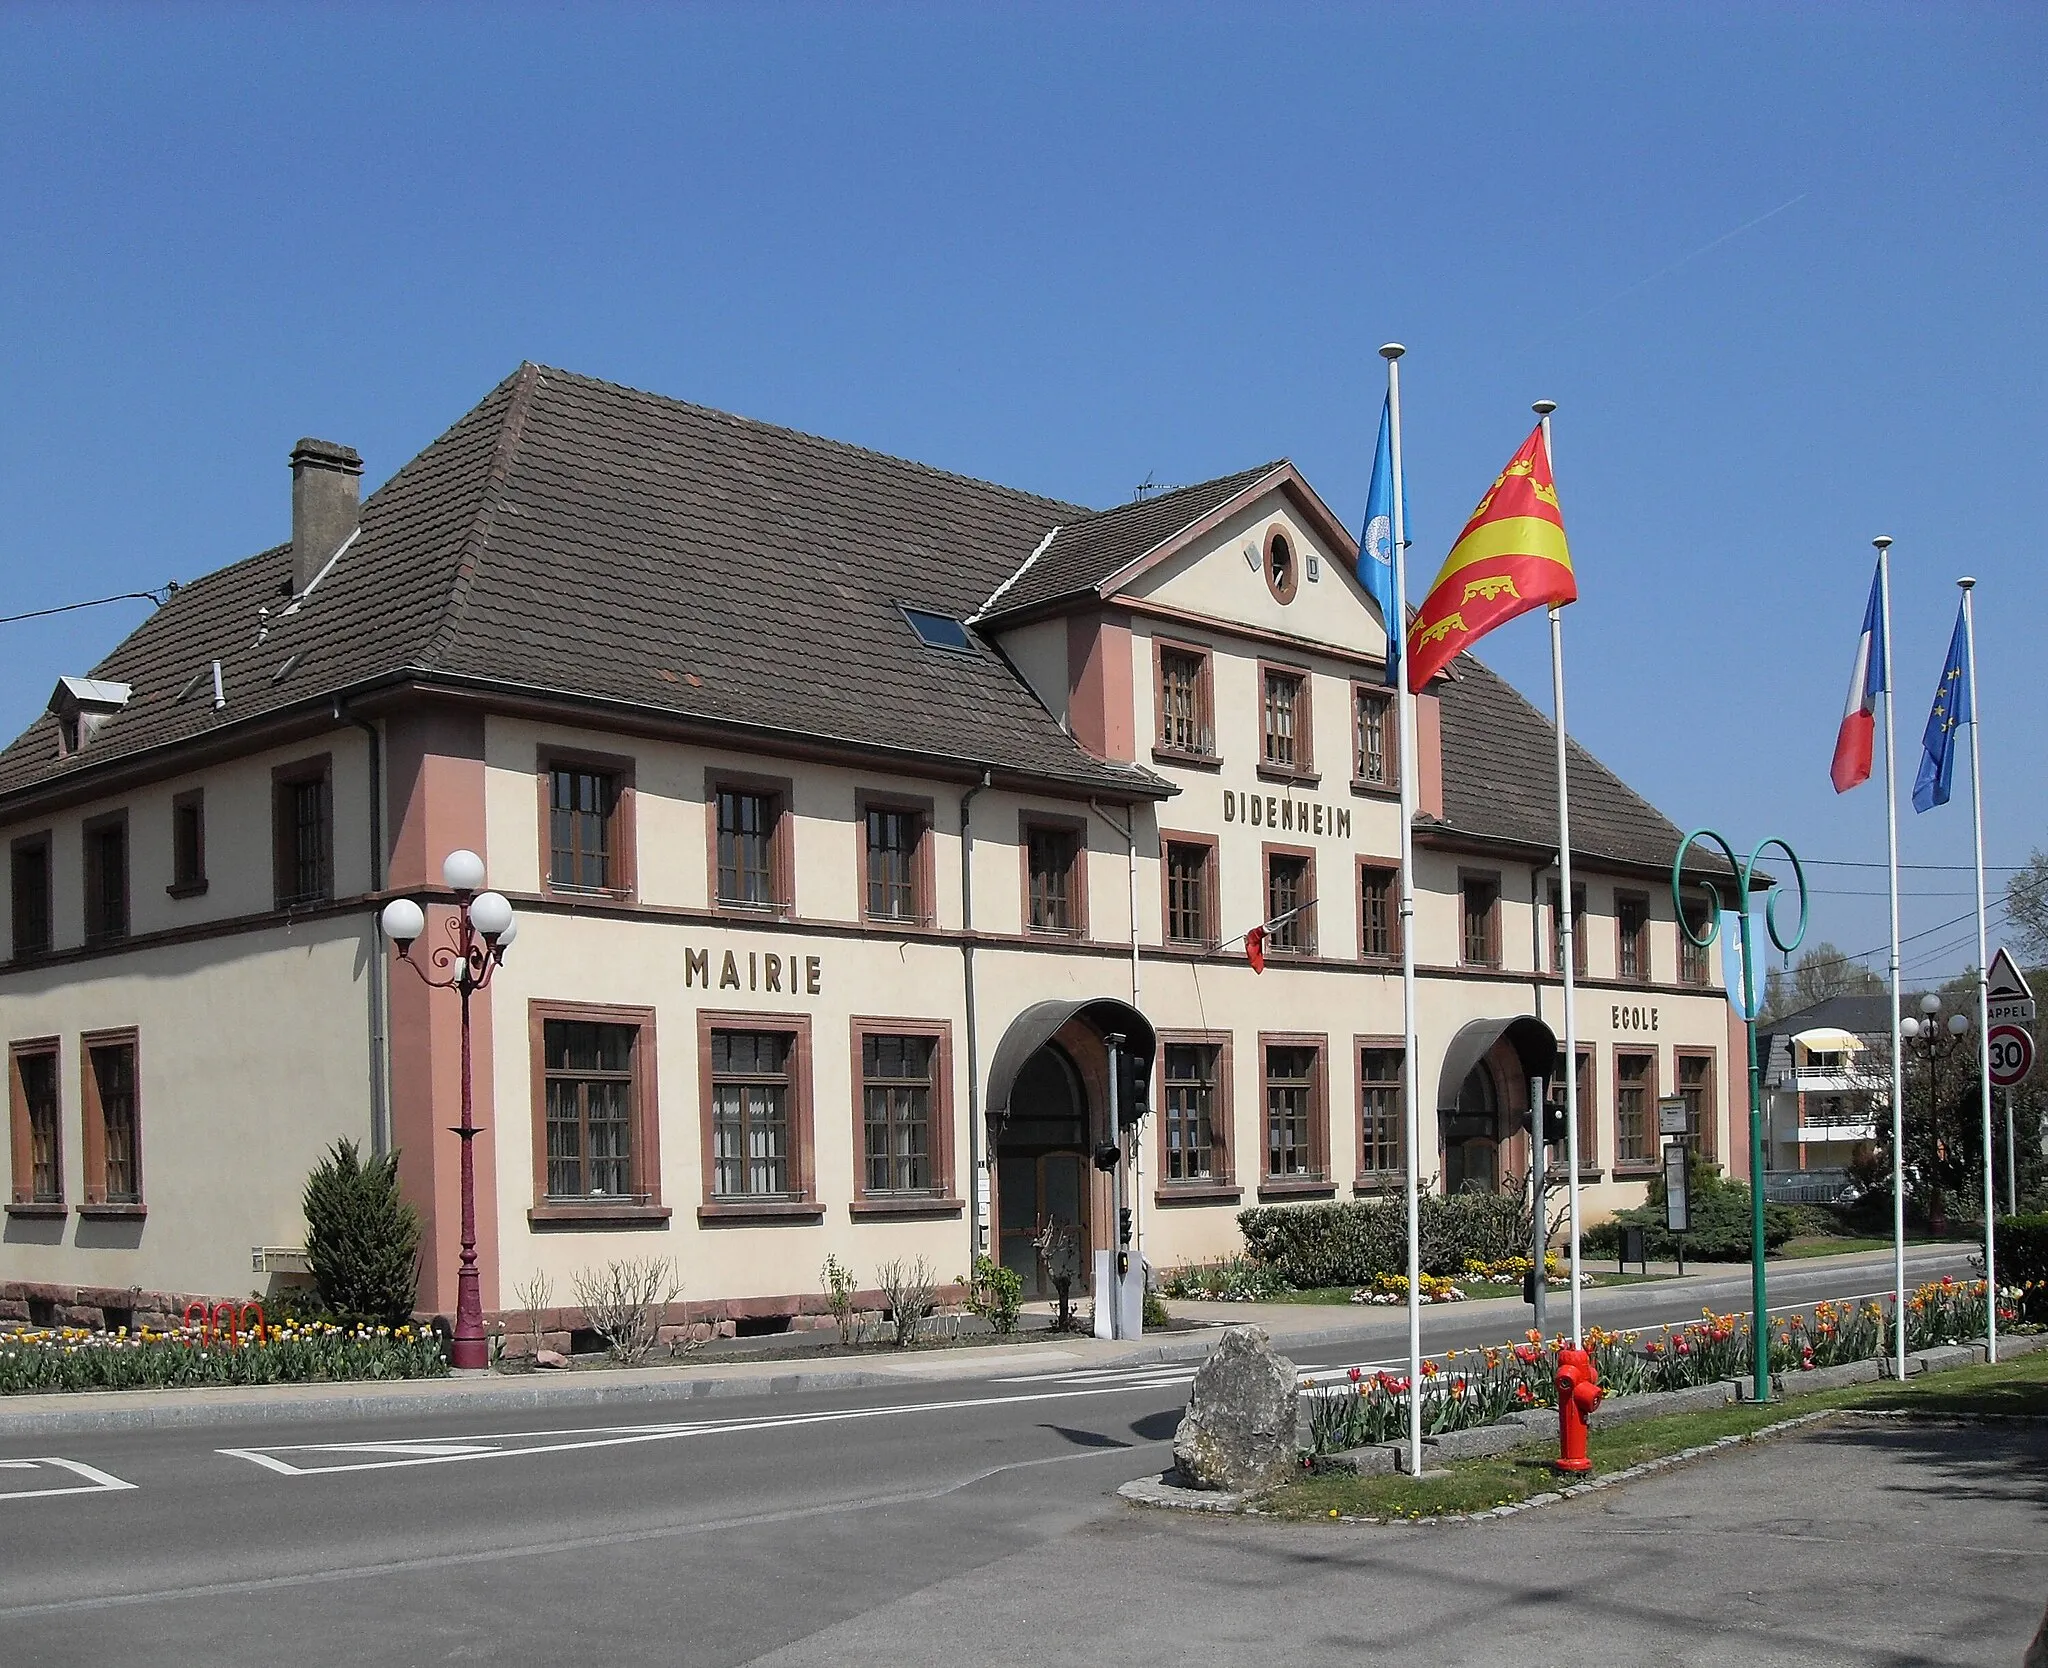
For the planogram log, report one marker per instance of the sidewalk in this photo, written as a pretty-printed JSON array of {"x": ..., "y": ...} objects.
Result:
[{"x": 1291, "y": 1325}]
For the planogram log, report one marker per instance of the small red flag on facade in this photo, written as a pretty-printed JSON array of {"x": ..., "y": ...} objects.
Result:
[{"x": 1255, "y": 949}]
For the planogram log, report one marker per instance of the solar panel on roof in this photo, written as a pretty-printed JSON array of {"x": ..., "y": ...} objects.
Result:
[{"x": 938, "y": 631}]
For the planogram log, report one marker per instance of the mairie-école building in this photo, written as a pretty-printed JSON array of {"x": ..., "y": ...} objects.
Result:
[{"x": 847, "y": 806}]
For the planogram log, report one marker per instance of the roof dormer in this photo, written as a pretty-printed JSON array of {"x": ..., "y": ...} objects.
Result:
[{"x": 81, "y": 706}]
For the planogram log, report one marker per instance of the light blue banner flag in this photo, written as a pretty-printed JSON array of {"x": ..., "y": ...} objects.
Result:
[
  {"x": 1951, "y": 712},
  {"x": 1376, "y": 543},
  {"x": 1731, "y": 967}
]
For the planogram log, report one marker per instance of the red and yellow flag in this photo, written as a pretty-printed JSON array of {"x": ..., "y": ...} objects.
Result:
[{"x": 1512, "y": 557}]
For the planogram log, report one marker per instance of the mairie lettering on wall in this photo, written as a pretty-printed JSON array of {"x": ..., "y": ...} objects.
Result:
[
  {"x": 765, "y": 970},
  {"x": 1286, "y": 814}
]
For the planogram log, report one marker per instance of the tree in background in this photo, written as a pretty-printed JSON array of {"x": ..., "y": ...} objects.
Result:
[
  {"x": 1821, "y": 972},
  {"x": 2026, "y": 908}
]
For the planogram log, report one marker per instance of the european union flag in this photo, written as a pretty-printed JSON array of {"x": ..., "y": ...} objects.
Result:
[
  {"x": 1951, "y": 712},
  {"x": 1376, "y": 543}
]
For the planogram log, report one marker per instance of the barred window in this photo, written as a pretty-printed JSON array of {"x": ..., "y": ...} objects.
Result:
[
  {"x": 1632, "y": 930},
  {"x": 1479, "y": 904},
  {"x": 747, "y": 827},
  {"x": 893, "y": 840},
  {"x": 1290, "y": 1113},
  {"x": 1372, "y": 737},
  {"x": 39, "y": 1125},
  {"x": 112, "y": 1069},
  {"x": 1290, "y": 905},
  {"x": 591, "y": 1088},
  {"x": 1054, "y": 858},
  {"x": 106, "y": 880},
  {"x": 1192, "y": 1076},
  {"x": 1381, "y": 1114},
  {"x": 1184, "y": 723},
  {"x": 1285, "y": 745},
  {"x": 750, "y": 1105},
  {"x": 1692, "y": 957},
  {"x": 1696, "y": 1086},
  {"x": 896, "y": 1104}
]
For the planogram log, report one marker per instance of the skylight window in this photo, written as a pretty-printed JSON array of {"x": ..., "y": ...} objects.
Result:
[{"x": 938, "y": 631}]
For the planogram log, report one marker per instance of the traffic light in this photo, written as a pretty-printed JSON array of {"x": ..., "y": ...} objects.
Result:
[
  {"x": 1133, "y": 1088},
  {"x": 1108, "y": 1156},
  {"x": 1555, "y": 1124}
]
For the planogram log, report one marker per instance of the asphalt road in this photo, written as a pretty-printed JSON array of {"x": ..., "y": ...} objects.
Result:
[{"x": 774, "y": 1524}]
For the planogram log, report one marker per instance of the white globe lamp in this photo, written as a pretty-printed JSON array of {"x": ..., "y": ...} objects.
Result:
[
  {"x": 404, "y": 921},
  {"x": 492, "y": 913},
  {"x": 463, "y": 871}
]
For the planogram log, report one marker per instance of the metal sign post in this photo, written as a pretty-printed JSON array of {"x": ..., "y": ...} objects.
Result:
[
  {"x": 1678, "y": 1194},
  {"x": 2009, "y": 1045}
]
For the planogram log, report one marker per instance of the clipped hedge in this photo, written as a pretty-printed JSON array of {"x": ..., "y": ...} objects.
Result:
[{"x": 1351, "y": 1244}]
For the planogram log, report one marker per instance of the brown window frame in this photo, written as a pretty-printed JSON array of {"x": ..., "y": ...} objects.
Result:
[
  {"x": 26, "y": 843},
  {"x": 1375, "y": 1178},
  {"x": 285, "y": 782},
  {"x": 781, "y": 842},
  {"x": 1642, "y": 973},
  {"x": 1552, "y": 896},
  {"x": 1706, "y": 1120},
  {"x": 1363, "y": 691},
  {"x": 1646, "y": 1165},
  {"x": 1076, "y": 829},
  {"x": 1302, "y": 770},
  {"x": 1209, "y": 845},
  {"x": 98, "y": 931},
  {"x": 1220, "y": 1186},
  {"x": 188, "y": 867},
  {"x": 1317, "y": 1181},
  {"x": 21, "y": 1139},
  {"x": 1589, "y": 1106},
  {"x": 1206, "y": 755},
  {"x": 621, "y": 822},
  {"x": 1304, "y": 924},
  {"x": 1392, "y": 872},
  {"x": 923, "y": 906},
  {"x": 1494, "y": 957},
  {"x": 643, "y": 1207},
  {"x": 941, "y": 1197},
  {"x": 1287, "y": 589},
  {"x": 800, "y": 1202},
  {"x": 1695, "y": 961},
  {"x": 99, "y": 1199}
]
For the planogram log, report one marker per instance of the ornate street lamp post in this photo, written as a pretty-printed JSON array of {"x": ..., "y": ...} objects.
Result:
[
  {"x": 1928, "y": 1028},
  {"x": 478, "y": 933},
  {"x": 1759, "y": 1318}
]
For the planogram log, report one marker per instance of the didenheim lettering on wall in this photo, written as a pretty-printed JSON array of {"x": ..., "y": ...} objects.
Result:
[
  {"x": 760, "y": 970},
  {"x": 1287, "y": 814}
]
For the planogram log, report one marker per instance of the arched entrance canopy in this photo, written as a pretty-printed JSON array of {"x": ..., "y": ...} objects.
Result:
[
  {"x": 1534, "y": 1043},
  {"x": 1038, "y": 1024}
]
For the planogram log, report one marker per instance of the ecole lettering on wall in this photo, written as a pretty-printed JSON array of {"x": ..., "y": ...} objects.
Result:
[
  {"x": 1628, "y": 1018},
  {"x": 1287, "y": 814},
  {"x": 758, "y": 970}
]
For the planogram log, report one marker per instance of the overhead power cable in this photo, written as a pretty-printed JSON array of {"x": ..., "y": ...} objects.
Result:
[{"x": 161, "y": 595}]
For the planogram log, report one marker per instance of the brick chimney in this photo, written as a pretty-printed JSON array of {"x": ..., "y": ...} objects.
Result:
[{"x": 326, "y": 504}]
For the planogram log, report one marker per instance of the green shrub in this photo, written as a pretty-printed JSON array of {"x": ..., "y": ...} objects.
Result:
[
  {"x": 1155, "y": 1318},
  {"x": 2022, "y": 1246},
  {"x": 362, "y": 1238},
  {"x": 1234, "y": 1280},
  {"x": 1720, "y": 1223},
  {"x": 995, "y": 1293},
  {"x": 1350, "y": 1244}
]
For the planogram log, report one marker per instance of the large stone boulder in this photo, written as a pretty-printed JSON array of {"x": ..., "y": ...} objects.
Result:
[{"x": 1238, "y": 1431}]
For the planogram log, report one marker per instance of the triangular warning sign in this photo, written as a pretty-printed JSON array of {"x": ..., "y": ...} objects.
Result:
[{"x": 2006, "y": 983}]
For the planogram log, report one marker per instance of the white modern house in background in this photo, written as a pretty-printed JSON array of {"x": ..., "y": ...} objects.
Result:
[{"x": 1827, "y": 1089}]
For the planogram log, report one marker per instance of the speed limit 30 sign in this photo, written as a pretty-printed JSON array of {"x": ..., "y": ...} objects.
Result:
[{"x": 2011, "y": 1050}]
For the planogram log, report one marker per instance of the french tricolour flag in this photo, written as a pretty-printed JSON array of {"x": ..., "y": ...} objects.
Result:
[{"x": 1859, "y": 713}]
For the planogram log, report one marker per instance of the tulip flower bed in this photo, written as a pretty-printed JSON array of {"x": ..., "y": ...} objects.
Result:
[
  {"x": 37, "y": 1359},
  {"x": 1481, "y": 1387}
]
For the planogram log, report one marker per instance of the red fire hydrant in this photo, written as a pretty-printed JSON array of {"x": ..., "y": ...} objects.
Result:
[{"x": 1578, "y": 1393}]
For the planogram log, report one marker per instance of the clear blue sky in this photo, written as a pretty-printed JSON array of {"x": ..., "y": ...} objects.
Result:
[{"x": 1780, "y": 266}]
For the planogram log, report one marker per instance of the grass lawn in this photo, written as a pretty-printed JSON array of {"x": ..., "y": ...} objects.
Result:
[
  {"x": 2013, "y": 1387},
  {"x": 1832, "y": 1245}
]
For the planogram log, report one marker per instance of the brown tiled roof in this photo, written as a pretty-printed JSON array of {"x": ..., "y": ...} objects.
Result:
[
  {"x": 1500, "y": 778},
  {"x": 1090, "y": 547},
  {"x": 571, "y": 537}
]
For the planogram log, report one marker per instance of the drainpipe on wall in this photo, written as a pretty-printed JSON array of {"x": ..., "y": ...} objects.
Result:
[
  {"x": 977, "y": 1163},
  {"x": 380, "y": 996},
  {"x": 1129, "y": 831}
]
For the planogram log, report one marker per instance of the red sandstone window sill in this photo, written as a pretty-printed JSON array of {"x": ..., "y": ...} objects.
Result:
[
  {"x": 39, "y": 1207},
  {"x": 99, "y": 1211},
  {"x": 906, "y": 1205},
  {"x": 562, "y": 1214},
  {"x": 762, "y": 1212},
  {"x": 1197, "y": 1193}
]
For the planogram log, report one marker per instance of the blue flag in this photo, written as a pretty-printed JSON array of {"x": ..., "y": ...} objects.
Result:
[
  {"x": 1951, "y": 712},
  {"x": 1376, "y": 543}
]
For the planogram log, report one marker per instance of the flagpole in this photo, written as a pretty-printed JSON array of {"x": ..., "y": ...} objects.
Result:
[
  {"x": 1968, "y": 586},
  {"x": 1567, "y": 949},
  {"x": 1891, "y": 836},
  {"x": 1404, "y": 707}
]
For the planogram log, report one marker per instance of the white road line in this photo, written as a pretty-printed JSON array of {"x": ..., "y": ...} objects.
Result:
[
  {"x": 96, "y": 1480},
  {"x": 461, "y": 1449}
]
